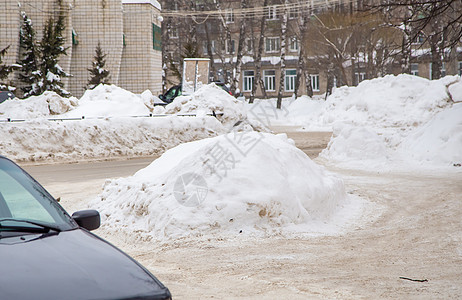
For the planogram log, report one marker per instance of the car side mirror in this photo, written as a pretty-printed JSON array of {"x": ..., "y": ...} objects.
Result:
[{"x": 88, "y": 219}]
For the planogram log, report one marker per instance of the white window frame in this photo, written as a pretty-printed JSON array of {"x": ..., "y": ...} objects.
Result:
[
  {"x": 443, "y": 69},
  {"x": 289, "y": 80},
  {"x": 415, "y": 71},
  {"x": 419, "y": 39},
  {"x": 248, "y": 80},
  {"x": 314, "y": 80},
  {"x": 294, "y": 44},
  {"x": 174, "y": 33},
  {"x": 269, "y": 80},
  {"x": 293, "y": 13},
  {"x": 212, "y": 47},
  {"x": 272, "y": 13},
  {"x": 272, "y": 44},
  {"x": 430, "y": 71},
  {"x": 360, "y": 76},
  {"x": 229, "y": 16},
  {"x": 249, "y": 45},
  {"x": 233, "y": 47}
]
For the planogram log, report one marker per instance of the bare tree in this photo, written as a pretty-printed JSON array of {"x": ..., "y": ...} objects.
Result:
[
  {"x": 257, "y": 58},
  {"x": 283, "y": 54}
]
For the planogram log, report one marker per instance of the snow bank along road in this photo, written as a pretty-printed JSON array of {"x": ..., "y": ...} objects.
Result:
[{"x": 414, "y": 231}]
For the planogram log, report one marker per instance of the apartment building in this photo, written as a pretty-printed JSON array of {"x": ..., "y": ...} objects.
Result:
[
  {"x": 217, "y": 38},
  {"x": 127, "y": 30}
]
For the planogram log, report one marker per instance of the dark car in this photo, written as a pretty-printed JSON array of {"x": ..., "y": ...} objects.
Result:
[
  {"x": 46, "y": 254},
  {"x": 5, "y": 96},
  {"x": 170, "y": 95},
  {"x": 175, "y": 91}
]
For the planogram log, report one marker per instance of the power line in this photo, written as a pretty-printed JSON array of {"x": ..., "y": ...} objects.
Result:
[{"x": 253, "y": 12}]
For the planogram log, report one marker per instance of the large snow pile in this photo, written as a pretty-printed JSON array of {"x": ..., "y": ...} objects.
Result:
[
  {"x": 210, "y": 99},
  {"x": 108, "y": 101},
  {"x": 415, "y": 125},
  {"x": 49, "y": 103},
  {"x": 387, "y": 102},
  {"x": 75, "y": 140},
  {"x": 437, "y": 142},
  {"x": 250, "y": 183},
  {"x": 117, "y": 134},
  {"x": 373, "y": 123}
]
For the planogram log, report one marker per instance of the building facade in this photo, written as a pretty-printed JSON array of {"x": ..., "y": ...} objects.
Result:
[
  {"x": 368, "y": 52},
  {"x": 127, "y": 30}
]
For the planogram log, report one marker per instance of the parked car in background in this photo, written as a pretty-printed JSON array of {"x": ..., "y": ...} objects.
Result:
[
  {"x": 170, "y": 95},
  {"x": 47, "y": 254},
  {"x": 5, "y": 96},
  {"x": 176, "y": 91}
]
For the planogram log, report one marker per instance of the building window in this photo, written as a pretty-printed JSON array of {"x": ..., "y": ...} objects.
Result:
[
  {"x": 174, "y": 33},
  {"x": 443, "y": 69},
  {"x": 249, "y": 45},
  {"x": 156, "y": 37},
  {"x": 419, "y": 39},
  {"x": 75, "y": 40},
  {"x": 212, "y": 47},
  {"x": 249, "y": 79},
  {"x": 272, "y": 13},
  {"x": 272, "y": 44},
  {"x": 315, "y": 82},
  {"x": 415, "y": 69},
  {"x": 293, "y": 45},
  {"x": 460, "y": 68},
  {"x": 360, "y": 76},
  {"x": 293, "y": 13},
  {"x": 269, "y": 79},
  {"x": 229, "y": 47},
  {"x": 430, "y": 71},
  {"x": 229, "y": 16},
  {"x": 290, "y": 78}
]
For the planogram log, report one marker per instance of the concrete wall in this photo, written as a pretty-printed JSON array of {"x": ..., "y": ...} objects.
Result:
[
  {"x": 141, "y": 66},
  {"x": 93, "y": 22},
  {"x": 136, "y": 66}
]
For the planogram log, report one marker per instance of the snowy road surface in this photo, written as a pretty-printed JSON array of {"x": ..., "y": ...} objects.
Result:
[{"x": 414, "y": 230}]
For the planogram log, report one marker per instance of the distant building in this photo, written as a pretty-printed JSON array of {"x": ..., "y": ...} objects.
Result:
[
  {"x": 128, "y": 31},
  {"x": 209, "y": 33}
]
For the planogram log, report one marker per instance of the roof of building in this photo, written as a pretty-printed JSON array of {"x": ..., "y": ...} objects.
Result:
[{"x": 154, "y": 3}]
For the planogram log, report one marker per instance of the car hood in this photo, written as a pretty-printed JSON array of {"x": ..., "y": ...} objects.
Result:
[{"x": 72, "y": 265}]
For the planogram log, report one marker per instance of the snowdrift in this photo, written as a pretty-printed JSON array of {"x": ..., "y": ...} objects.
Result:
[
  {"x": 210, "y": 99},
  {"x": 43, "y": 106},
  {"x": 395, "y": 122},
  {"x": 438, "y": 142},
  {"x": 116, "y": 134},
  {"x": 239, "y": 183},
  {"x": 108, "y": 101},
  {"x": 40, "y": 140},
  {"x": 387, "y": 102}
]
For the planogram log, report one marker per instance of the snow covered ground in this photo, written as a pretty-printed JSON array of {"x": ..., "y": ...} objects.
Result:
[
  {"x": 110, "y": 122},
  {"x": 240, "y": 181},
  {"x": 245, "y": 183},
  {"x": 394, "y": 122}
]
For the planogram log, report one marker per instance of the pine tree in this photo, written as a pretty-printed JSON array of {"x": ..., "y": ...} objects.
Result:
[
  {"x": 5, "y": 71},
  {"x": 30, "y": 73},
  {"x": 98, "y": 73},
  {"x": 51, "y": 47}
]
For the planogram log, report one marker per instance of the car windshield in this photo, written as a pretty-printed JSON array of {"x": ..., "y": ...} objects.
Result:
[
  {"x": 23, "y": 199},
  {"x": 171, "y": 93}
]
